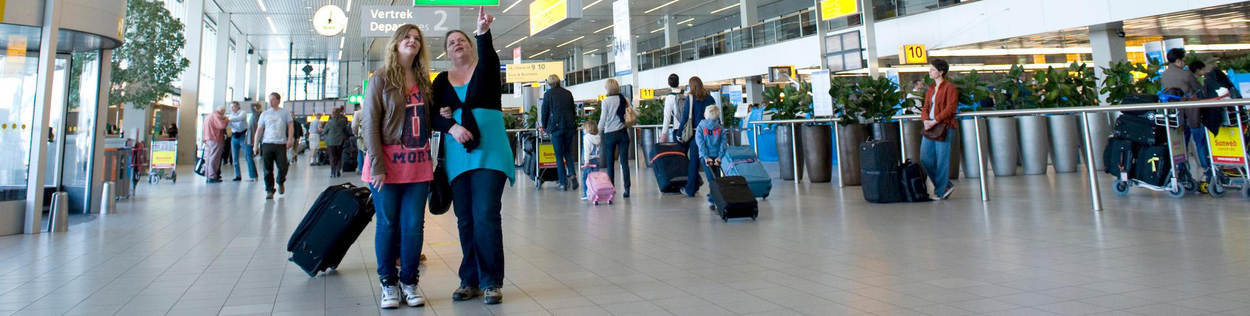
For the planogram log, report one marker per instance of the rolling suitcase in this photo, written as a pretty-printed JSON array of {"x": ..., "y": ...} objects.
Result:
[
  {"x": 349, "y": 155},
  {"x": 914, "y": 182},
  {"x": 1137, "y": 129},
  {"x": 741, "y": 161},
  {"x": 669, "y": 163},
  {"x": 332, "y": 224},
  {"x": 599, "y": 187},
  {"x": 731, "y": 197},
  {"x": 1152, "y": 165},
  {"x": 1118, "y": 157},
  {"x": 879, "y": 175}
]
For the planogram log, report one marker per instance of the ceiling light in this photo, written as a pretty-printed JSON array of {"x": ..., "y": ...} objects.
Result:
[
  {"x": 1239, "y": 20},
  {"x": 591, "y": 4},
  {"x": 590, "y": 52},
  {"x": 609, "y": 45},
  {"x": 540, "y": 53},
  {"x": 272, "y": 28},
  {"x": 725, "y": 8},
  {"x": 517, "y": 41},
  {"x": 571, "y": 41},
  {"x": 686, "y": 21},
  {"x": 261, "y": 3},
  {"x": 340, "y": 55},
  {"x": 656, "y": 30},
  {"x": 604, "y": 28},
  {"x": 661, "y": 6},
  {"x": 511, "y": 6}
]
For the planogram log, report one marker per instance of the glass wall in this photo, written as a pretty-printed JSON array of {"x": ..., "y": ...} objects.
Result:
[
  {"x": 18, "y": 78},
  {"x": 885, "y": 9},
  {"x": 75, "y": 144},
  {"x": 799, "y": 24},
  {"x": 307, "y": 79}
]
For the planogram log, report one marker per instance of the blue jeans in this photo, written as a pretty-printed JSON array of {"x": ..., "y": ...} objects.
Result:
[
  {"x": 239, "y": 145},
  {"x": 360, "y": 160},
  {"x": 562, "y": 141},
  {"x": 1199, "y": 137},
  {"x": 400, "y": 211},
  {"x": 711, "y": 176},
  {"x": 692, "y": 169},
  {"x": 616, "y": 146},
  {"x": 935, "y": 157},
  {"x": 477, "y": 196}
]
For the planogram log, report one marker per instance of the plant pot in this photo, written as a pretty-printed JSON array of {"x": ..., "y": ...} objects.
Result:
[
  {"x": 887, "y": 131},
  {"x": 1065, "y": 142},
  {"x": 971, "y": 170},
  {"x": 817, "y": 146},
  {"x": 647, "y": 143},
  {"x": 911, "y": 137},
  {"x": 1034, "y": 144},
  {"x": 1100, "y": 131},
  {"x": 956, "y": 149},
  {"x": 1004, "y": 145},
  {"x": 849, "y": 138},
  {"x": 786, "y": 155}
]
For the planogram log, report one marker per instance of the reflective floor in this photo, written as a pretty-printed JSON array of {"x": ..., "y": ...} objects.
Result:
[{"x": 1036, "y": 249}]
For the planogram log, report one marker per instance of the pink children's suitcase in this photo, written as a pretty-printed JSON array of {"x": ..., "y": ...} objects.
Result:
[{"x": 599, "y": 187}]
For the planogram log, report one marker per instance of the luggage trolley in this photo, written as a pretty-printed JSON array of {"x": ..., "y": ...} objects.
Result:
[
  {"x": 164, "y": 161},
  {"x": 540, "y": 158},
  {"x": 1230, "y": 166},
  {"x": 1179, "y": 179}
]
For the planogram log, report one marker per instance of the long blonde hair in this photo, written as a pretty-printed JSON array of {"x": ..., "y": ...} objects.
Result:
[
  {"x": 420, "y": 66},
  {"x": 697, "y": 90}
]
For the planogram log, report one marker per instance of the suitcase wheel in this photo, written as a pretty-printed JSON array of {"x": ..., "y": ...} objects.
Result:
[
  {"x": 1176, "y": 191},
  {"x": 595, "y": 202},
  {"x": 1121, "y": 187}
]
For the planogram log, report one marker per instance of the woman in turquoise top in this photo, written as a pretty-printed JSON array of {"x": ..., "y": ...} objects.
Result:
[{"x": 478, "y": 156}]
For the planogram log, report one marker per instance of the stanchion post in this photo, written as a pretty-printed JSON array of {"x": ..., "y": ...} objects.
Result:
[
  {"x": 837, "y": 151},
  {"x": 976, "y": 131},
  {"x": 794, "y": 150},
  {"x": 902, "y": 142},
  {"x": 1095, "y": 195},
  {"x": 755, "y": 139}
]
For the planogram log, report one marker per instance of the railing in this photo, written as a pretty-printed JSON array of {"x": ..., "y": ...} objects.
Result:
[
  {"x": 795, "y": 25},
  {"x": 590, "y": 74},
  {"x": 1095, "y": 192},
  {"x": 885, "y": 9}
]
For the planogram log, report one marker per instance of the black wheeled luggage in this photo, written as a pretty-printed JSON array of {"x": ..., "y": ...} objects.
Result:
[
  {"x": 670, "y": 164},
  {"x": 348, "y": 161},
  {"x": 914, "y": 182},
  {"x": 879, "y": 176},
  {"x": 732, "y": 198},
  {"x": 1152, "y": 165},
  {"x": 1118, "y": 157},
  {"x": 1137, "y": 129},
  {"x": 336, "y": 219}
]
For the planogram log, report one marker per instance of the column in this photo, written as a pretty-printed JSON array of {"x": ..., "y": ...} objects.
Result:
[
  {"x": 239, "y": 64},
  {"x": 190, "y": 95},
  {"x": 577, "y": 59},
  {"x": 221, "y": 74},
  {"x": 749, "y": 12},
  {"x": 97, "y": 136},
  {"x": 1108, "y": 47},
  {"x": 261, "y": 76},
  {"x": 39, "y": 126},
  {"x": 870, "y": 37},
  {"x": 670, "y": 30}
]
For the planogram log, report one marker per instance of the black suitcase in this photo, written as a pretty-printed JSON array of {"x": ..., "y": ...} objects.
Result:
[
  {"x": 1152, "y": 165},
  {"x": 1118, "y": 157},
  {"x": 914, "y": 182},
  {"x": 879, "y": 177},
  {"x": 670, "y": 165},
  {"x": 336, "y": 219},
  {"x": 1137, "y": 129},
  {"x": 732, "y": 197}
]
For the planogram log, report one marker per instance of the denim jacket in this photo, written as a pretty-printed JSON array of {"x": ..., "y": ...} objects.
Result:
[{"x": 710, "y": 138}]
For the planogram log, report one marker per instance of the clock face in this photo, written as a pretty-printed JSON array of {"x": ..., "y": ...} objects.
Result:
[{"x": 329, "y": 20}]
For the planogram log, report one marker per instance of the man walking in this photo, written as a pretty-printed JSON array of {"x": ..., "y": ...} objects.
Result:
[
  {"x": 239, "y": 142},
  {"x": 273, "y": 137},
  {"x": 559, "y": 117},
  {"x": 214, "y": 144}
]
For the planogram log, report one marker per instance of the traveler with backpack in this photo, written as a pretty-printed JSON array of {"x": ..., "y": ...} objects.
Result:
[{"x": 673, "y": 105}]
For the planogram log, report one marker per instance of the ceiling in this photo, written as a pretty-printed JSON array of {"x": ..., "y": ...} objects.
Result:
[{"x": 292, "y": 19}]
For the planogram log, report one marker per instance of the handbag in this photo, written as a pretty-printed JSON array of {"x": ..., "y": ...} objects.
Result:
[
  {"x": 439, "y": 200},
  {"x": 936, "y": 132},
  {"x": 628, "y": 115},
  {"x": 687, "y": 132}
]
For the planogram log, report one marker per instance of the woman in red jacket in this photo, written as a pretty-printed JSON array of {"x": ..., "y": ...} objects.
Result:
[{"x": 938, "y": 114}]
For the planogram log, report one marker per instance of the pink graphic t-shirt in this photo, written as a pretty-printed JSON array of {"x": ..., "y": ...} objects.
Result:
[{"x": 409, "y": 161}]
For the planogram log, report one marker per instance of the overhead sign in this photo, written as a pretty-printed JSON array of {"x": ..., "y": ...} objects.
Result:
[
  {"x": 548, "y": 14},
  {"x": 534, "y": 72},
  {"x": 355, "y": 98},
  {"x": 647, "y": 93},
  {"x": 329, "y": 20},
  {"x": 382, "y": 21},
  {"x": 831, "y": 9},
  {"x": 622, "y": 44},
  {"x": 912, "y": 54},
  {"x": 426, "y": 3}
]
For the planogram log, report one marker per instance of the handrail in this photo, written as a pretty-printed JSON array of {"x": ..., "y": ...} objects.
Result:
[
  {"x": 1096, "y": 109},
  {"x": 796, "y": 121}
]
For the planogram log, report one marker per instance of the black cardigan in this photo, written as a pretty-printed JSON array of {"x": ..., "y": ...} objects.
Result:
[{"x": 484, "y": 92}]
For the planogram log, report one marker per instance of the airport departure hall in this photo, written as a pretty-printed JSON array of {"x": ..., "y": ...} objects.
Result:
[{"x": 624, "y": 157}]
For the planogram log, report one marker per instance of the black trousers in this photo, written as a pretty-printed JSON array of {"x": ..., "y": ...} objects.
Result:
[{"x": 272, "y": 155}]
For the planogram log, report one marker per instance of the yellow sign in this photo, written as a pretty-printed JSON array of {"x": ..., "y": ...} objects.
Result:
[
  {"x": 534, "y": 72},
  {"x": 601, "y": 97},
  {"x": 546, "y": 13},
  {"x": 1039, "y": 59},
  {"x": 1, "y": 10},
  {"x": 913, "y": 54},
  {"x": 17, "y": 45},
  {"x": 647, "y": 93},
  {"x": 1227, "y": 148},
  {"x": 830, "y": 9},
  {"x": 164, "y": 154},
  {"x": 546, "y": 156}
]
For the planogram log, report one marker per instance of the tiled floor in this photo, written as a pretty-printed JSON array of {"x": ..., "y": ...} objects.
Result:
[{"x": 1036, "y": 249}]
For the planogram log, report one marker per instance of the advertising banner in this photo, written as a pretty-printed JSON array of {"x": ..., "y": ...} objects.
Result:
[{"x": 622, "y": 43}]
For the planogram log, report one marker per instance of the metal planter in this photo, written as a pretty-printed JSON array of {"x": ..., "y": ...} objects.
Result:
[
  {"x": 849, "y": 138},
  {"x": 911, "y": 138},
  {"x": 817, "y": 146},
  {"x": 1065, "y": 142},
  {"x": 646, "y": 142},
  {"x": 1004, "y": 145},
  {"x": 1034, "y": 144},
  {"x": 1100, "y": 130},
  {"x": 786, "y": 143},
  {"x": 971, "y": 170}
]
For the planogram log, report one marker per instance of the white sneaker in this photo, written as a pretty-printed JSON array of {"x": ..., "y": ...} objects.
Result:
[
  {"x": 390, "y": 297},
  {"x": 950, "y": 188},
  {"x": 412, "y": 295}
]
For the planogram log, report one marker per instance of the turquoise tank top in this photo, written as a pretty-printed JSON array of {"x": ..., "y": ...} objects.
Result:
[{"x": 493, "y": 153}]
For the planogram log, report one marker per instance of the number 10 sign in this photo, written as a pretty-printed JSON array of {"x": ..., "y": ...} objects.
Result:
[{"x": 912, "y": 54}]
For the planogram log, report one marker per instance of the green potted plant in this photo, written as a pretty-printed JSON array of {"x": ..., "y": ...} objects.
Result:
[
  {"x": 1014, "y": 91},
  {"x": 1064, "y": 87},
  {"x": 877, "y": 99},
  {"x": 787, "y": 102},
  {"x": 650, "y": 112},
  {"x": 976, "y": 90},
  {"x": 851, "y": 130}
]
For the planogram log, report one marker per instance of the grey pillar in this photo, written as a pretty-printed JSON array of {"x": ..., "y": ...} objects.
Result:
[
  {"x": 749, "y": 12},
  {"x": 39, "y": 126},
  {"x": 670, "y": 30},
  {"x": 262, "y": 70},
  {"x": 189, "y": 98},
  {"x": 576, "y": 58},
  {"x": 239, "y": 63},
  {"x": 97, "y": 138},
  {"x": 221, "y": 72},
  {"x": 870, "y": 38},
  {"x": 1108, "y": 47}
]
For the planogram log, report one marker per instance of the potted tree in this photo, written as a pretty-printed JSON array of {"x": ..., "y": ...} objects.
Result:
[
  {"x": 974, "y": 89},
  {"x": 650, "y": 112},
  {"x": 1013, "y": 91},
  {"x": 1121, "y": 80},
  {"x": 787, "y": 102},
  {"x": 851, "y": 129},
  {"x": 879, "y": 98},
  {"x": 1071, "y": 86}
]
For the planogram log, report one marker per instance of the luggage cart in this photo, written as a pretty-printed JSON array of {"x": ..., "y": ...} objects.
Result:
[
  {"x": 540, "y": 160},
  {"x": 163, "y": 161},
  {"x": 1180, "y": 180},
  {"x": 1230, "y": 166}
]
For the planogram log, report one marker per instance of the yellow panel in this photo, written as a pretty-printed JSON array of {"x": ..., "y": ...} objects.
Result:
[
  {"x": 545, "y": 13},
  {"x": 1227, "y": 148},
  {"x": 913, "y": 54},
  {"x": 647, "y": 93},
  {"x": 830, "y": 9},
  {"x": 2, "y": 10},
  {"x": 601, "y": 97},
  {"x": 1039, "y": 59},
  {"x": 534, "y": 72},
  {"x": 1071, "y": 58}
]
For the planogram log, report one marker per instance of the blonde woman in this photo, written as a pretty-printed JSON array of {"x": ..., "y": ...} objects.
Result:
[
  {"x": 394, "y": 124},
  {"x": 615, "y": 135}
]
